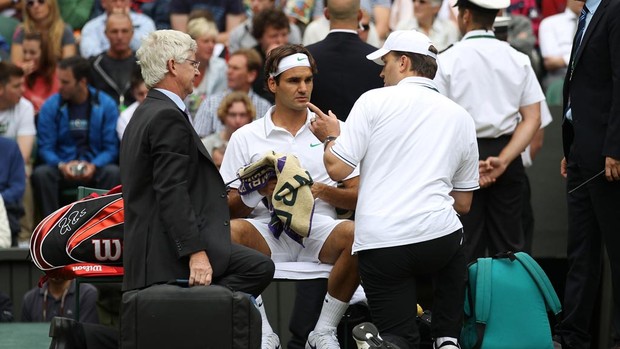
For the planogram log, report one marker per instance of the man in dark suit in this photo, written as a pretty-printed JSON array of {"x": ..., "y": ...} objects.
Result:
[
  {"x": 176, "y": 209},
  {"x": 344, "y": 73},
  {"x": 591, "y": 164}
]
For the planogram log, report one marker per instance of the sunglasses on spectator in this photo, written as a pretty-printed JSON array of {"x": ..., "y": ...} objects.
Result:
[
  {"x": 31, "y": 3},
  {"x": 364, "y": 27}
]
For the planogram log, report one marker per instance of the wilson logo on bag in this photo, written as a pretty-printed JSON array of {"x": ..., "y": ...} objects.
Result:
[{"x": 87, "y": 231}]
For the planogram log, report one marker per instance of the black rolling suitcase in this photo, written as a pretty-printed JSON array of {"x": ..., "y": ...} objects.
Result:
[{"x": 171, "y": 316}]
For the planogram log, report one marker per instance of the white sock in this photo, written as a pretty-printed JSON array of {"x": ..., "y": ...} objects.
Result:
[
  {"x": 266, "y": 329},
  {"x": 439, "y": 341},
  {"x": 331, "y": 313}
]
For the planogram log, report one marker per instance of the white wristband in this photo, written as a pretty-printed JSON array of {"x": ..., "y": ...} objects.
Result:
[{"x": 252, "y": 199}]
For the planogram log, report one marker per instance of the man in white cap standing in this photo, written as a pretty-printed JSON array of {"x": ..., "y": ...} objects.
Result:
[
  {"x": 418, "y": 161},
  {"x": 498, "y": 87}
]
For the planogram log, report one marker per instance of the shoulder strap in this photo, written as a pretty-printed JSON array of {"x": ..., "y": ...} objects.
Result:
[
  {"x": 541, "y": 279},
  {"x": 483, "y": 290},
  {"x": 483, "y": 295}
]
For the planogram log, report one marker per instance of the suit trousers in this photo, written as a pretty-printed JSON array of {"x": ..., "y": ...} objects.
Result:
[
  {"x": 494, "y": 221},
  {"x": 389, "y": 277},
  {"x": 593, "y": 222}
]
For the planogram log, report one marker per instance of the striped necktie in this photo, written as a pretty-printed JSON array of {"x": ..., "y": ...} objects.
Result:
[{"x": 581, "y": 26}]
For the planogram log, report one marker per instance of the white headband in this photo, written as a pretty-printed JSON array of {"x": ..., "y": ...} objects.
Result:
[{"x": 292, "y": 61}]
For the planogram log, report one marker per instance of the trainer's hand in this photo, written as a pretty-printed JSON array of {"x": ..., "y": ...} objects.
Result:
[{"x": 200, "y": 272}]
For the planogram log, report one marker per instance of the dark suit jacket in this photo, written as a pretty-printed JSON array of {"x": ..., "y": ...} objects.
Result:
[
  {"x": 344, "y": 72},
  {"x": 175, "y": 199},
  {"x": 595, "y": 92}
]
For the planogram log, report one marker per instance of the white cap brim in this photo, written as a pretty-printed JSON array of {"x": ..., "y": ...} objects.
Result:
[{"x": 376, "y": 56}]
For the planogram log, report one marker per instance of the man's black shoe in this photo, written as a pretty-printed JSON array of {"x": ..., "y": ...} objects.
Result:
[
  {"x": 367, "y": 336},
  {"x": 64, "y": 333}
]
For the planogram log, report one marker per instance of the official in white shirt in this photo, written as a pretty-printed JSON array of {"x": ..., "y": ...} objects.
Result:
[{"x": 496, "y": 84}]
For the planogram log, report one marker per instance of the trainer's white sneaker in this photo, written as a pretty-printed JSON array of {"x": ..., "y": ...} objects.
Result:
[
  {"x": 323, "y": 339},
  {"x": 270, "y": 341}
]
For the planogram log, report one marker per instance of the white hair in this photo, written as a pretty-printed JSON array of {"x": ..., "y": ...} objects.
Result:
[
  {"x": 158, "y": 48},
  {"x": 199, "y": 27}
]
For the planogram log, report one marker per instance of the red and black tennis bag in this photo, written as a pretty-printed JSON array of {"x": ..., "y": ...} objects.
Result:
[{"x": 82, "y": 238}]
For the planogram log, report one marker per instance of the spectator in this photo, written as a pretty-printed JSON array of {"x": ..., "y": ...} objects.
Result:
[
  {"x": 242, "y": 72},
  {"x": 442, "y": 32},
  {"x": 16, "y": 112},
  {"x": 40, "y": 70},
  {"x": 556, "y": 41},
  {"x": 241, "y": 36},
  {"x": 235, "y": 111},
  {"x": 379, "y": 11},
  {"x": 318, "y": 29},
  {"x": 6, "y": 308},
  {"x": 112, "y": 70},
  {"x": 76, "y": 12},
  {"x": 227, "y": 14},
  {"x": 17, "y": 123},
  {"x": 139, "y": 91},
  {"x": 5, "y": 231},
  {"x": 77, "y": 141},
  {"x": 270, "y": 28},
  {"x": 94, "y": 40},
  {"x": 212, "y": 78},
  {"x": 57, "y": 298},
  {"x": 12, "y": 185},
  {"x": 9, "y": 7},
  {"x": 43, "y": 16},
  {"x": 528, "y": 8},
  {"x": 552, "y": 7}
]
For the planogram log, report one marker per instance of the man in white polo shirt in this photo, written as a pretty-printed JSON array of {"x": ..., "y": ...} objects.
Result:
[
  {"x": 418, "y": 161},
  {"x": 289, "y": 71},
  {"x": 498, "y": 87}
]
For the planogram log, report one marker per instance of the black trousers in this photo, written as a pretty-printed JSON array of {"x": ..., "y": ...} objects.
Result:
[
  {"x": 389, "y": 279},
  {"x": 494, "y": 221},
  {"x": 593, "y": 222},
  {"x": 527, "y": 216},
  {"x": 48, "y": 181}
]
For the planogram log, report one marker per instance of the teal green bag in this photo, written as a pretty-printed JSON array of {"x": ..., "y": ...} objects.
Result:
[{"x": 506, "y": 303}]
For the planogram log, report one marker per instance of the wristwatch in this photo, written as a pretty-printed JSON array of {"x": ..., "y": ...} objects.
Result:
[{"x": 327, "y": 140}]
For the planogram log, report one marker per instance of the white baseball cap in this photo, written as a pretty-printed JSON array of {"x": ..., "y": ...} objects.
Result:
[
  {"x": 487, "y": 4},
  {"x": 403, "y": 40}
]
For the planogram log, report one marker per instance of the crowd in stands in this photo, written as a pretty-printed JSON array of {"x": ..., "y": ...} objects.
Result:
[{"x": 70, "y": 82}]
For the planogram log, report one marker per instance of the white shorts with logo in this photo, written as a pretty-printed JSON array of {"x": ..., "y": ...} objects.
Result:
[{"x": 286, "y": 249}]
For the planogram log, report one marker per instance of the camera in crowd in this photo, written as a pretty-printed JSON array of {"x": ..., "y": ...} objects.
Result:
[{"x": 78, "y": 169}]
